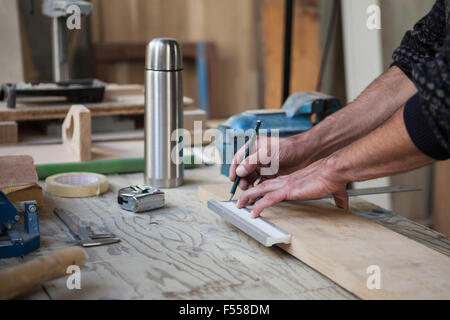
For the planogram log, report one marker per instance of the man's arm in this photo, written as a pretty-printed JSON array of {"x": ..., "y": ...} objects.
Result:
[
  {"x": 374, "y": 106},
  {"x": 385, "y": 151}
]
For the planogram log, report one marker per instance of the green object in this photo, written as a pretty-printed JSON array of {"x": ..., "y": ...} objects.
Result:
[
  {"x": 247, "y": 153},
  {"x": 108, "y": 166}
]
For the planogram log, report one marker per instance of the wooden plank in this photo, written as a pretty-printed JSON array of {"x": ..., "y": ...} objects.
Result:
[
  {"x": 342, "y": 245},
  {"x": 9, "y": 132},
  {"x": 441, "y": 199},
  {"x": 46, "y": 111},
  {"x": 305, "y": 58},
  {"x": 59, "y": 111}
]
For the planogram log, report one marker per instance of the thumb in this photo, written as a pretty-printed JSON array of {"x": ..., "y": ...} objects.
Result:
[
  {"x": 341, "y": 199},
  {"x": 248, "y": 166}
]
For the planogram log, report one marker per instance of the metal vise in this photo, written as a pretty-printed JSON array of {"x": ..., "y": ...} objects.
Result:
[{"x": 18, "y": 239}]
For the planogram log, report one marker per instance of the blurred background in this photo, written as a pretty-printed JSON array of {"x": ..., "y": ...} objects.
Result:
[{"x": 241, "y": 42}]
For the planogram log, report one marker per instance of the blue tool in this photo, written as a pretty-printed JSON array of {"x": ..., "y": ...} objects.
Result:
[
  {"x": 15, "y": 239},
  {"x": 300, "y": 112}
]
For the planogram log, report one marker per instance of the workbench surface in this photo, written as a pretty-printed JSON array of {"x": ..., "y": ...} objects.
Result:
[{"x": 185, "y": 251}]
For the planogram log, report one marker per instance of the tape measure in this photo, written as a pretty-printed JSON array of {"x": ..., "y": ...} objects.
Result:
[{"x": 76, "y": 184}]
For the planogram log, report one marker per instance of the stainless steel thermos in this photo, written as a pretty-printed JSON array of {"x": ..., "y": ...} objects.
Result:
[{"x": 163, "y": 114}]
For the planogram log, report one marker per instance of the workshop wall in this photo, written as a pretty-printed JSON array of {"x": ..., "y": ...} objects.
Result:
[
  {"x": 10, "y": 50},
  {"x": 230, "y": 24}
]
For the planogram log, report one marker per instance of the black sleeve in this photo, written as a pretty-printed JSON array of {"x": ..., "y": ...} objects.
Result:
[{"x": 420, "y": 130}]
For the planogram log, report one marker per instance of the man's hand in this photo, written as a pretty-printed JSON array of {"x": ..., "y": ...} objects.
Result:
[
  {"x": 315, "y": 181},
  {"x": 278, "y": 156},
  {"x": 385, "y": 151}
]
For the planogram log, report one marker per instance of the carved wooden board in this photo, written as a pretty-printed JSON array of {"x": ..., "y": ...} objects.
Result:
[
  {"x": 344, "y": 246},
  {"x": 184, "y": 251}
]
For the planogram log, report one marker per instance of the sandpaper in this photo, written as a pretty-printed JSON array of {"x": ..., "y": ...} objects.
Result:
[{"x": 17, "y": 173}]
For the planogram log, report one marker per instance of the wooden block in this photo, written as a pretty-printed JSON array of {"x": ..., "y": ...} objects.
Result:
[
  {"x": 76, "y": 132},
  {"x": 441, "y": 200},
  {"x": 28, "y": 194},
  {"x": 8, "y": 132},
  {"x": 347, "y": 248},
  {"x": 17, "y": 173}
]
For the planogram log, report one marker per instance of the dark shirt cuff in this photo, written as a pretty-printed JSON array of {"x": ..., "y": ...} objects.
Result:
[{"x": 419, "y": 130}]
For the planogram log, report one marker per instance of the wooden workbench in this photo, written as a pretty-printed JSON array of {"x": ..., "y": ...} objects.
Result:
[{"x": 185, "y": 251}]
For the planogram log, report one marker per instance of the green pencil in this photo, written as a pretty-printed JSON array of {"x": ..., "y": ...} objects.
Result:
[{"x": 247, "y": 153}]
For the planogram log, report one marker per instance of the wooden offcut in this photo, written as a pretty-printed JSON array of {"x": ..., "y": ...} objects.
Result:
[
  {"x": 9, "y": 132},
  {"x": 76, "y": 132},
  {"x": 344, "y": 247},
  {"x": 28, "y": 194},
  {"x": 17, "y": 280},
  {"x": 17, "y": 173}
]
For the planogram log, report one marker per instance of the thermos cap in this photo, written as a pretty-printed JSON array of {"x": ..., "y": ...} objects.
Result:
[{"x": 163, "y": 54}]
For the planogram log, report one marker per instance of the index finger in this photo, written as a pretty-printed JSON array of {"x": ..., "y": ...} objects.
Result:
[{"x": 237, "y": 159}]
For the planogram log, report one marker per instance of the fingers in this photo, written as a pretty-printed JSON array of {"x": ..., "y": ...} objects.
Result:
[
  {"x": 341, "y": 199},
  {"x": 237, "y": 159},
  {"x": 257, "y": 191},
  {"x": 248, "y": 181},
  {"x": 268, "y": 200}
]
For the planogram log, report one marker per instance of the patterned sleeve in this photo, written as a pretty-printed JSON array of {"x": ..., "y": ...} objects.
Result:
[
  {"x": 423, "y": 42},
  {"x": 424, "y": 56}
]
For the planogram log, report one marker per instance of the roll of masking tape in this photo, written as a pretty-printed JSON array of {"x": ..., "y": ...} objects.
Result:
[{"x": 76, "y": 184}]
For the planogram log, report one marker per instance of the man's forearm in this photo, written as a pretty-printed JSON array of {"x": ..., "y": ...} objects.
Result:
[
  {"x": 386, "y": 151},
  {"x": 375, "y": 105}
]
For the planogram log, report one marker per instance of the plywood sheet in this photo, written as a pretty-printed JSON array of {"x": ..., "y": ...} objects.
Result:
[{"x": 342, "y": 246}]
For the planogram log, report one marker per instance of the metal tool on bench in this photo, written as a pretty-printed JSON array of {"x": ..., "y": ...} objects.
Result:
[
  {"x": 266, "y": 232},
  {"x": 84, "y": 235},
  {"x": 140, "y": 198},
  {"x": 59, "y": 11},
  {"x": 15, "y": 239},
  {"x": 300, "y": 112},
  {"x": 74, "y": 91}
]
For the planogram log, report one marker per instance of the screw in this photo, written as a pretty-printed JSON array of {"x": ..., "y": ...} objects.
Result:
[
  {"x": 32, "y": 208},
  {"x": 17, "y": 218}
]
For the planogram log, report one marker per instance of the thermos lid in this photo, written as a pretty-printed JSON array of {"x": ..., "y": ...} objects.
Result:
[{"x": 163, "y": 54}]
